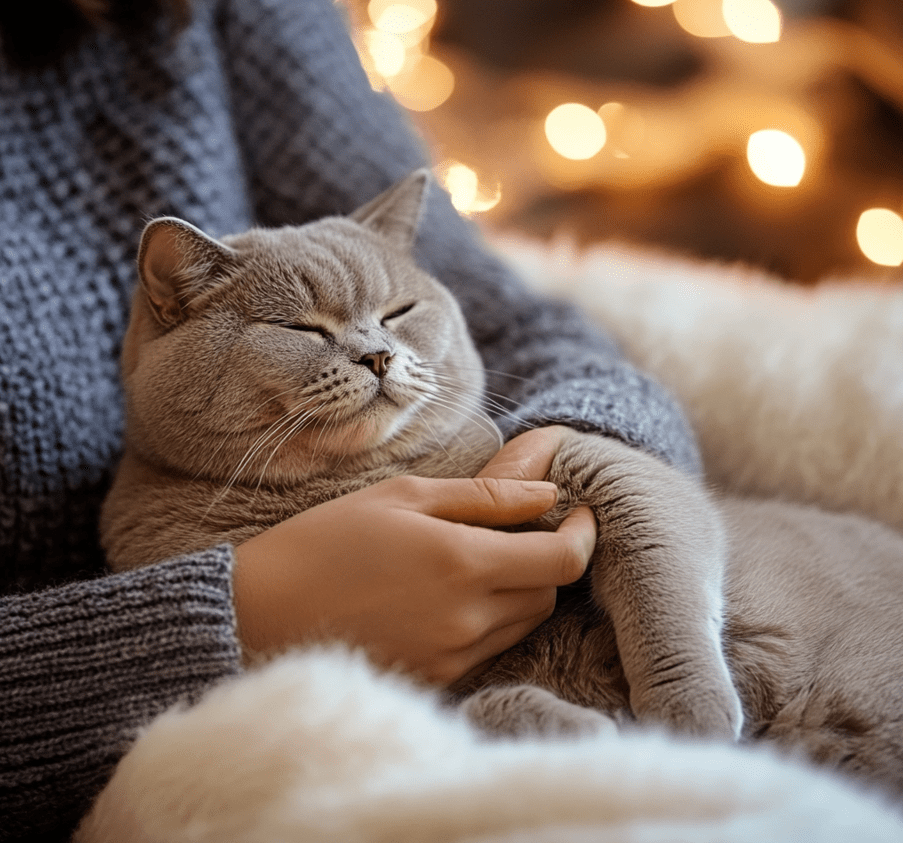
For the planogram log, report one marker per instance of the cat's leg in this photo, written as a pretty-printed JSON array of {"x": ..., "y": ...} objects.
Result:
[
  {"x": 657, "y": 571},
  {"x": 527, "y": 711}
]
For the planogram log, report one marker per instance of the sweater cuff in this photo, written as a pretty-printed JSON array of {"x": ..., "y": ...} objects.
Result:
[
  {"x": 85, "y": 665},
  {"x": 639, "y": 413}
]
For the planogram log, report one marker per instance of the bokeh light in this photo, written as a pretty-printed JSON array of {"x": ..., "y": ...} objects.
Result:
[
  {"x": 425, "y": 86},
  {"x": 702, "y": 18},
  {"x": 386, "y": 51},
  {"x": 880, "y": 236},
  {"x": 397, "y": 18},
  {"x": 653, "y": 2},
  {"x": 575, "y": 131},
  {"x": 755, "y": 21},
  {"x": 624, "y": 129},
  {"x": 776, "y": 158},
  {"x": 464, "y": 188}
]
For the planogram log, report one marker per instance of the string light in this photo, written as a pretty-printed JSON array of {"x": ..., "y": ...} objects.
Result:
[
  {"x": 702, "y": 18},
  {"x": 386, "y": 51},
  {"x": 398, "y": 18},
  {"x": 463, "y": 185},
  {"x": 424, "y": 86},
  {"x": 880, "y": 236},
  {"x": 575, "y": 131},
  {"x": 755, "y": 21},
  {"x": 776, "y": 158},
  {"x": 395, "y": 55}
]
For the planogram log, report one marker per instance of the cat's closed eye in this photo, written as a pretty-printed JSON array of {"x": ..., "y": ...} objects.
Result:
[
  {"x": 396, "y": 313},
  {"x": 297, "y": 326}
]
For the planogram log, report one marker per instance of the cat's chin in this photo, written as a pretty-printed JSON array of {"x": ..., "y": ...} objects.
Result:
[{"x": 362, "y": 435}]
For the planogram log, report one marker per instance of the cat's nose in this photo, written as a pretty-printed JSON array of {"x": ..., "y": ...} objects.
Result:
[{"x": 378, "y": 362}]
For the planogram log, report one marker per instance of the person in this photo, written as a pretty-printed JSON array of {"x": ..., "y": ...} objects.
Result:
[{"x": 247, "y": 112}]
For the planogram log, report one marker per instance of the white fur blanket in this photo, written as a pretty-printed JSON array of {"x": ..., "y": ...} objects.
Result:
[{"x": 792, "y": 393}]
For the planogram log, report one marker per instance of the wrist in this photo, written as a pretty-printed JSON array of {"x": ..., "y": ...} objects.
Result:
[
  {"x": 270, "y": 611},
  {"x": 246, "y": 600}
]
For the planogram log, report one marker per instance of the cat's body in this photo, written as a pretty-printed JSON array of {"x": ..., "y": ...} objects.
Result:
[
  {"x": 813, "y": 637},
  {"x": 272, "y": 371}
]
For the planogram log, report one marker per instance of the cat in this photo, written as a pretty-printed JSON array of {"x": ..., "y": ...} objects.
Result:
[{"x": 270, "y": 371}]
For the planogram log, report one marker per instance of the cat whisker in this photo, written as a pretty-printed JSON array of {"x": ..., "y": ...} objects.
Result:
[
  {"x": 458, "y": 391},
  {"x": 226, "y": 438},
  {"x": 439, "y": 364},
  {"x": 294, "y": 417},
  {"x": 357, "y": 425},
  {"x": 294, "y": 428},
  {"x": 475, "y": 414},
  {"x": 460, "y": 388},
  {"x": 446, "y": 394},
  {"x": 441, "y": 445},
  {"x": 323, "y": 430},
  {"x": 272, "y": 431},
  {"x": 489, "y": 396}
]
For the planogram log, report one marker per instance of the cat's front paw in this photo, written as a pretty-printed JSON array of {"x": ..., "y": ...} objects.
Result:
[
  {"x": 706, "y": 710},
  {"x": 530, "y": 711}
]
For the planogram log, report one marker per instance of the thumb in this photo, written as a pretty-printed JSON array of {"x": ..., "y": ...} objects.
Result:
[
  {"x": 482, "y": 501},
  {"x": 528, "y": 456}
]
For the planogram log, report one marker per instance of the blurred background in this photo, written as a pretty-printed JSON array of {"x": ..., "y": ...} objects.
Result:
[{"x": 765, "y": 131}]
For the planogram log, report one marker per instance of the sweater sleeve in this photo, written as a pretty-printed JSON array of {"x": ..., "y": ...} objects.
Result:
[
  {"x": 125, "y": 647},
  {"x": 318, "y": 140}
]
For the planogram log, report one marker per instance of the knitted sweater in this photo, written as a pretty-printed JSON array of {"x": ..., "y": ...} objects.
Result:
[{"x": 258, "y": 113}]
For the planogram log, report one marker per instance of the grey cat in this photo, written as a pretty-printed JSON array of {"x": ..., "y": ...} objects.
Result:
[{"x": 270, "y": 371}]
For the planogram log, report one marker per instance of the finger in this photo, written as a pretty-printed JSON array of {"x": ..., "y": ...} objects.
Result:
[
  {"x": 528, "y": 456},
  {"x": 536, "y": 559},
  {"x": 484, "y": 501},
  {"x": 582, "y": 527}
]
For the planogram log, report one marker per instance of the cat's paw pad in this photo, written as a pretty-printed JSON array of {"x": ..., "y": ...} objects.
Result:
[{"x": 529, "y": 711}]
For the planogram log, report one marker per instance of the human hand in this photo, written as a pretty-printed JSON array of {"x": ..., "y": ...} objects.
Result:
[{"x": 411, "y": 569}]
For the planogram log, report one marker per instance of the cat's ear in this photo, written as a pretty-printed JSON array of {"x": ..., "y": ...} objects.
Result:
[
  {"x": 176, "y": 263},
  {"x": 396, "y": 213}
]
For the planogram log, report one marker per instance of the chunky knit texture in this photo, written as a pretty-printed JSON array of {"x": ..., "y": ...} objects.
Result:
[{"x": 257, "y": 113}]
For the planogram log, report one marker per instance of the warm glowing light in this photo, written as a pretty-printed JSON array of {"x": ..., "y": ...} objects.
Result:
[
  {"x": 575, "y": 131},
  {"x": 702, "y": 18},
  {"x": 464, "y": 187},
  {"x": 462, "y": 183},
  {"x": 387, "y": 51},
  {"x": 612, "y": 114},
  {"x": 624, "y": 129},
  {"x": 880, "y": 235},
  {"x": 392, "y": 16},
  {"x": 427, "y": 85},
  {"x": 755, "y": 21},
  {"x": 653, "y": 2},
  {"x": 776, "y": 158}
]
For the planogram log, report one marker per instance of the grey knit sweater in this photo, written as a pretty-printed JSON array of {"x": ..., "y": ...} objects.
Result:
[{"x": 257, "y": 114}]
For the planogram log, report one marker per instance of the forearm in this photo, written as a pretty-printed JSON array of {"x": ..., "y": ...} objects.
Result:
[{"x": 84, "y": 665}]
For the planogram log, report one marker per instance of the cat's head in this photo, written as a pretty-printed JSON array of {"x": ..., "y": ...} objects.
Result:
[{"x": 283, "y": 351}]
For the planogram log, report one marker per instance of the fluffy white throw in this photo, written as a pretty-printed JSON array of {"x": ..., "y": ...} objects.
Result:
[
  {"x": 318, "y": 747},
  {"x": 793, "y": 393}
]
